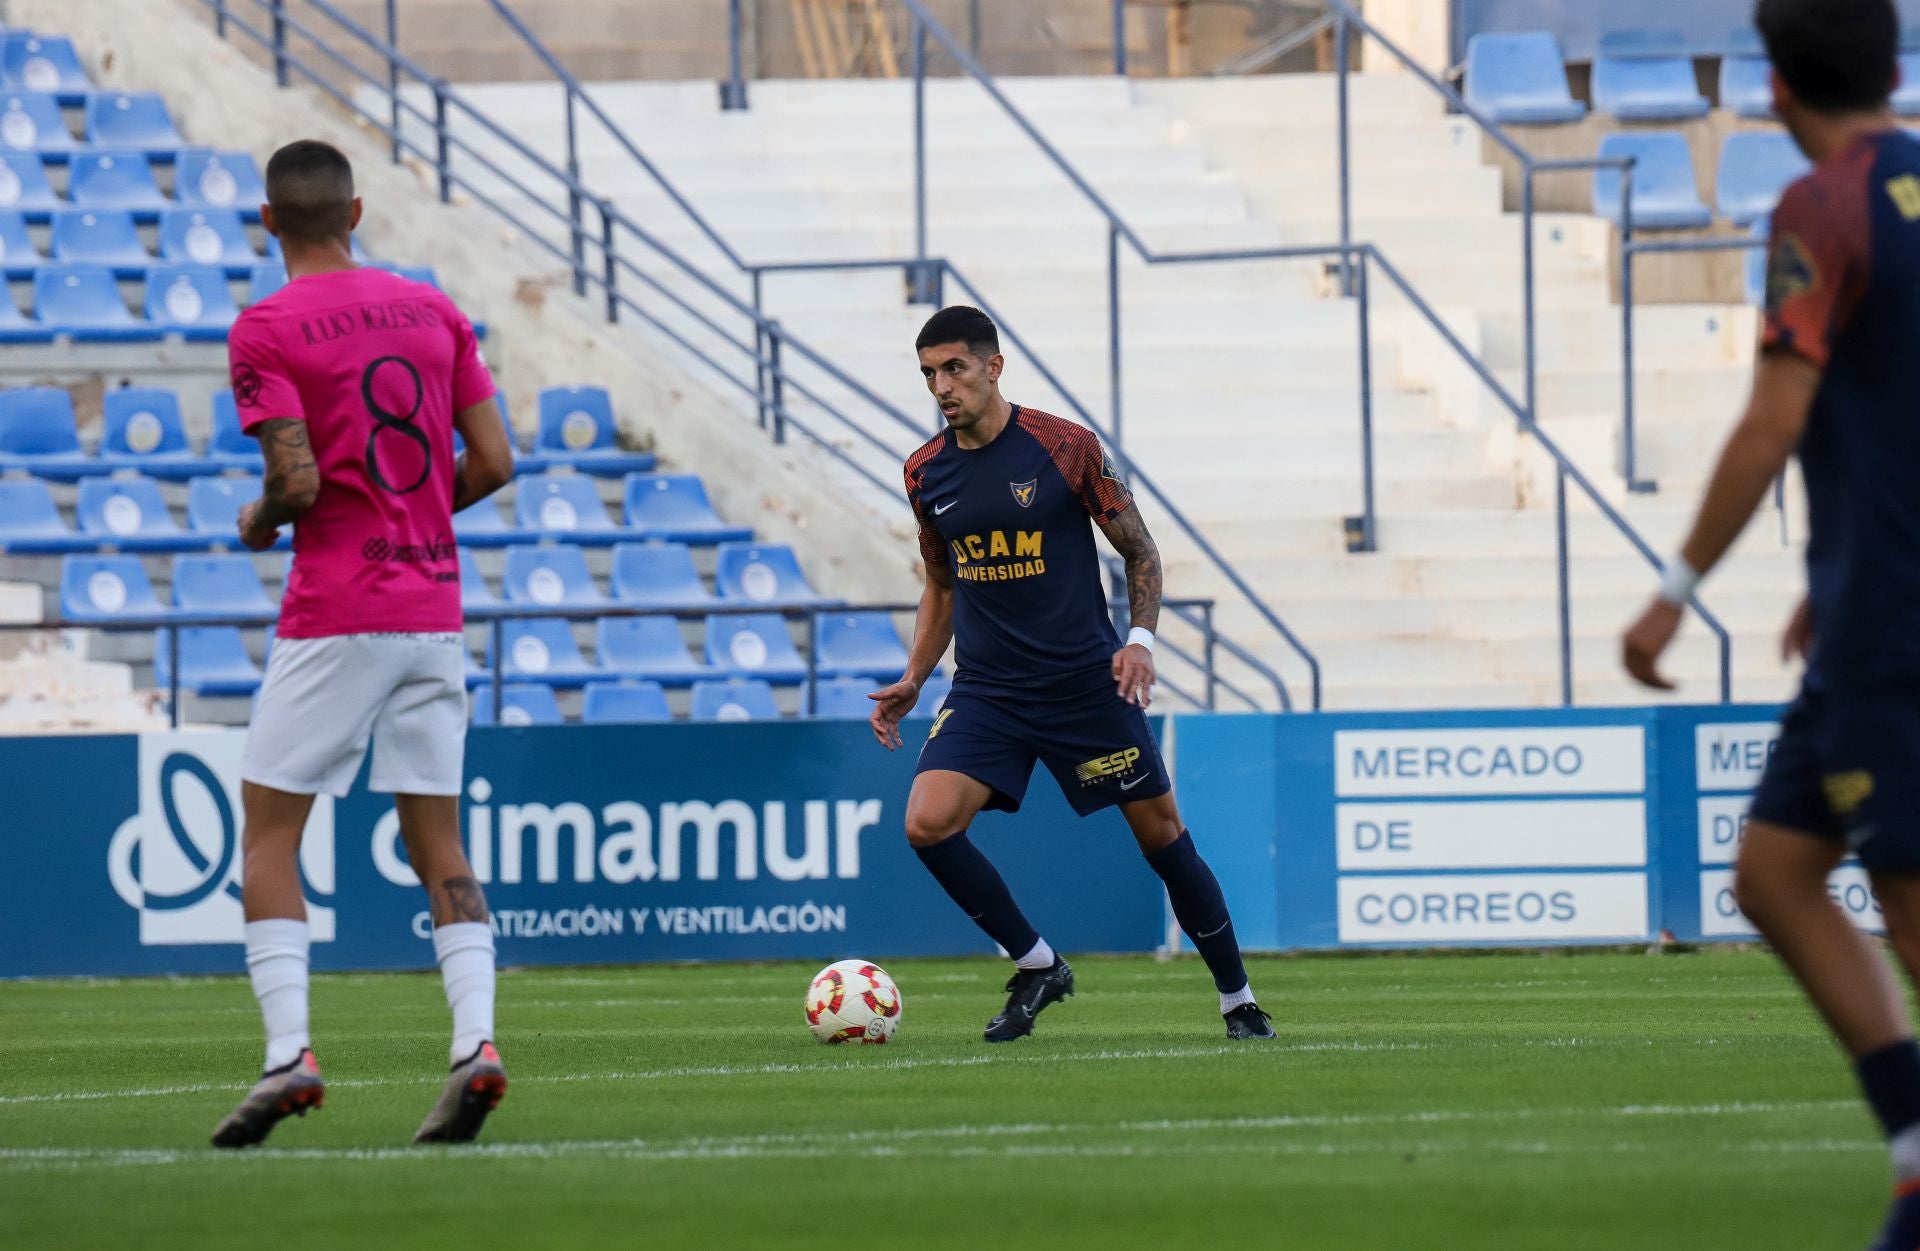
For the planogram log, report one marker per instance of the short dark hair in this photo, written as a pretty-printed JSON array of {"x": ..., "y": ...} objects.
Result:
[
  {"x": 961, "y": 324},
  {"x": 310, "y": 188},
  {"x": 1836, "y": 56}
]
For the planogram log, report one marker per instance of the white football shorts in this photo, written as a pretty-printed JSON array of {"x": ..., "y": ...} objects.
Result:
[{"x": 324, "y": 698}]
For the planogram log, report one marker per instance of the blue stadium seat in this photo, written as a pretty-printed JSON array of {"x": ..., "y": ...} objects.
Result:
[
  {"x": 100, "y": 588},
  {"x": 734, "y": 701},
  {"x": 659, "y": 575},
  {"x": 1646, "y": 76},
  {"x": 17, "y": 327},
  {"x": 130, "y": 514},
  {"x": 480, "y": 525},
  {"x": 83, "y": 302},
  {"x": 675, "y": 507},
  {"x": 133, "y": 119},
  {"x": 1746, "y": 85},
  {"x": 842, "y": 699},
  {"x": 1520, "y": 78},
  {"x": 859, "y": 645},
  {"x": 475, "y": 590},
  {"x": 577, "y": 429},
  {"x": 521, "y": 703},
  {"x": 266, "y": 279},
  {"x": 524, "y": 462},
  {"x": 192, "y": 301},
  {"x": 206, "y": 179},
  {"x": 213, "y": 509},
  {"x": 762, "y": 573},
  {"x": 553, "y": 577},
  {"x": 1755, "y": 168},
  {"x": 213, "y": 662},
  {"x": 24, "y": 187},
  {"x": 30, "y": 524},
  {"x": 143, "y": 432},
  {"x": 38, "y": 435},
  {"x": 1906, "y": 97},
  {"x": 625, "y": 703},
  {"x": 228, "y": 446},
  {"x": 1665, "y": 196},
  {"x": 115, "y": 180},
  {"x": 564, "y": 507},
  {"x": 46, "y": 64},
  {"x": 219, "y": 584},
  {"x": 18, "y": 257},
  {"x": 207, "y": 237},
  {"x": 541, "y": 649},
  {"x": 933, "y": 697},
  {"x": 30, "y": 122},
  {"x": 754, "y": 646},
  {"x": 107, "y": 237},
  {"x": 647, "y": 647}
]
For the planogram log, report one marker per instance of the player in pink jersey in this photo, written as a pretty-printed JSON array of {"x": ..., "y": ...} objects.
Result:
[{"x": 354, "y": 381}]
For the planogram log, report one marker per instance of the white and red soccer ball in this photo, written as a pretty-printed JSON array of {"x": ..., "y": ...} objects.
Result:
[{"x": 852, "y": 1001}]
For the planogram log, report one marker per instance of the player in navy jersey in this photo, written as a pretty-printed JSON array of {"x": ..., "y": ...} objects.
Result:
[
  {"x": 1007, "y": 499},
  {"x": 1837, "y": 379}
]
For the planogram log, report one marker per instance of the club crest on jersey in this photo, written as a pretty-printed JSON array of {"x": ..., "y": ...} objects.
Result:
[{"x": 1023, "y": 492}]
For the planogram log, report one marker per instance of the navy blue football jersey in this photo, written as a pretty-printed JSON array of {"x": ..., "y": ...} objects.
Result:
[
  {"x": 1013, "y": 522},
  {"x": 1843, "y": 291}
]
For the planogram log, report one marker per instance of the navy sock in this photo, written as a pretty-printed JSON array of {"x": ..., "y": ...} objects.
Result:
[
  {"x": 1201, "y": 910},
  {"x": 1890, "y": 1078},
  {"x": 971, "y": 881}
]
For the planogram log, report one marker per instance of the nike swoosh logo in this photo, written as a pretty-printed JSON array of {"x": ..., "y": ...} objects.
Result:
[
  {"x": 1127, "y": 786},
  {"x": 941, "y": 508}
]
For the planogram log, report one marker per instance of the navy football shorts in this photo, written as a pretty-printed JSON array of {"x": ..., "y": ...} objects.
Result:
[
  {"x": 1100, "y": 749},
  {"x": 1847, "y": 768}
]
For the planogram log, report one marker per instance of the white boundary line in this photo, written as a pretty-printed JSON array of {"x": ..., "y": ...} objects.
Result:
[{"x": 902, "y": 1142}]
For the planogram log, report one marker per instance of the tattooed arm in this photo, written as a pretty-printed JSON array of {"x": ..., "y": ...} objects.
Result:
[
  {"x": 1128, "y": 534},
  {"x": 292, "y": 482},
  {"x": 1133, "y": 664}
]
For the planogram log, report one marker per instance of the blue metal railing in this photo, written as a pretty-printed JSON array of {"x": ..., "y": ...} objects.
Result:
[
  {"x": 771, "y": 380},
  {"x": 925, "y": 276},
  {"x": 1347, "y": 21}
]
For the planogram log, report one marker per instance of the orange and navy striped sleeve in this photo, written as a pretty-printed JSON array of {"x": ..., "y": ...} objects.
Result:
[
  {"x": 1086, "y": 466},
  {"x": 933, "y": 549},
  {"x": 1818, "y": 260}
]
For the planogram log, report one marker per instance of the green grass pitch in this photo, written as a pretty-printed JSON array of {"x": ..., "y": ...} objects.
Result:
[{"x": 1685, "y": 1101}]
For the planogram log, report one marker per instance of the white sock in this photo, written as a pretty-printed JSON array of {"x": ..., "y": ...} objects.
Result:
[
  {"x": 277, "y": 963},
  {"x": 1229, "y": 1002},
  {"x": 465, "y": 952},
  {"x": 1905, "y": 1146},
  {"x": 1041, "y": 957}
]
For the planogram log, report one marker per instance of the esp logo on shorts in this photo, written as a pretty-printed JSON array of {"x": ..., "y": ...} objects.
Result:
[
  {"x": 177, "y": 860},
  {"x": 1120, "y": 762}
]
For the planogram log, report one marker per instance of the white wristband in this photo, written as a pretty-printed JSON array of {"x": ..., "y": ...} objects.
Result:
[
  {"x": 1140, "y": 635},
  {"x": 1678, "y": 581}
]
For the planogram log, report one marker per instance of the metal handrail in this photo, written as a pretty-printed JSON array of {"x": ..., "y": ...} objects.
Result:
[
  {"x": 918, "y": 271},
  {"x": 771, "y": 336}
]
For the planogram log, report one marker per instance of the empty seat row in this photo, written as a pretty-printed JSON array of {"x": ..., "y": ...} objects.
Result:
[
  {"x": 31, "y": 121},
  {"x": 203, "y": 179},
  {"x": 631, "y": 703},
  {"x": 110, "y": 237},
  {"x": 565, "y": 508},
  {"x": 144, "y": 432},
  {"x": 1755, "y": 167},
  {"x": 83, "y": 303},
  {"x": 755, "y": 645},
  {"x": 1638, "y": 75}
]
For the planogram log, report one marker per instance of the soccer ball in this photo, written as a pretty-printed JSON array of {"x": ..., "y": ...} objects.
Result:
[{"x": 853, "y": 1002}]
